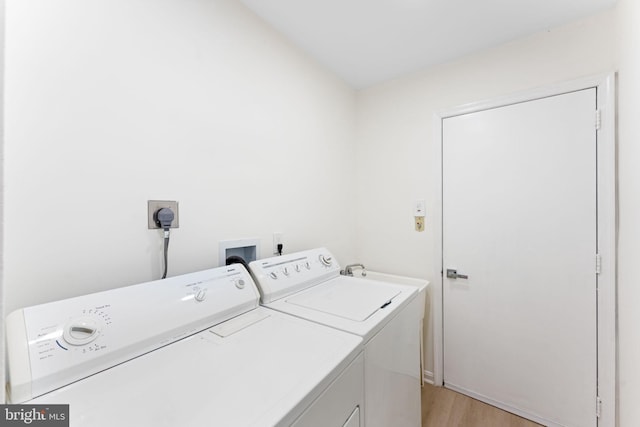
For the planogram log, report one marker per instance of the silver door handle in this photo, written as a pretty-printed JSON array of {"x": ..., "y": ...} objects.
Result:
[{"x": 453, "y": 274}]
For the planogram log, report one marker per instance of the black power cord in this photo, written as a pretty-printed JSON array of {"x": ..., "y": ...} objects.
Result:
[
  {"x": 164, "y": 217},
  {"x": 279, "y": 247},
  {"x": 166, "y": 252}
]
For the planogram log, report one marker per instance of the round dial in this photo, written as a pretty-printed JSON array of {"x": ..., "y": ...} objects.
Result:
[
  {"x": 81, "y": 331},
  {"x": 240, "y": 283},
  {"x": 326, "y": 260},
  {"x": 285, "y": 271},
  {"x": 201, "y": 295}
]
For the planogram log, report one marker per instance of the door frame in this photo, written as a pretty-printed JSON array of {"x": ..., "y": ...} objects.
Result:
[{"x": 607, "y": 230}]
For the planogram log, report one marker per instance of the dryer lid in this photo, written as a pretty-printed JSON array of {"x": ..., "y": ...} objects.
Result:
[{"x": 355, "y": 300}]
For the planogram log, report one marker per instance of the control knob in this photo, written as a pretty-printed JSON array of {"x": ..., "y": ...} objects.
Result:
[
  {"x": 326, "y": 260},
  {"x": 80, "y": 331},
  {"x": 201, "y": 295}
]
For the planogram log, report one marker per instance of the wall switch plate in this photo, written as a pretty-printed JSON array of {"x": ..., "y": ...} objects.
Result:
[
  {"x": 419, "y": 223},
  {"x": 277, "y": 239},
  {"x": 154, "y": 205},
  {"x": 419, "y": 208}
]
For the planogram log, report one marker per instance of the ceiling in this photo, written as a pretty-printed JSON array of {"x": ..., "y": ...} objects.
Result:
[{"x": 370, "y": 41}]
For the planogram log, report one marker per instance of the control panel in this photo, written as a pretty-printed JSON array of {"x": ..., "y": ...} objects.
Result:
[
  {"x": 54, "y": 344},
  {"x": 280, "y": 276}
]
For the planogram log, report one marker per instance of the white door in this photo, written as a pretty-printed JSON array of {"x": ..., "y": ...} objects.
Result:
[{"x": 519, "y": 219}]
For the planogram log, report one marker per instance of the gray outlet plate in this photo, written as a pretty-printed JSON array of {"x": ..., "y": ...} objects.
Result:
[{"x": 154, "y": 205}]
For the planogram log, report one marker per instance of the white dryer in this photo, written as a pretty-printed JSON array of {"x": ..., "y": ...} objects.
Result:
[
  {"x": 387, "y": 316},
  {"x": 192, "y": 350}
]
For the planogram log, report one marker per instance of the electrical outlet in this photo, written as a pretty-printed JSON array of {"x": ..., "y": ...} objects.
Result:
[
  {"x": 154, "y": 205},
  {"x": 419, "y": 223},
  {"x": 277, "y": 239}
]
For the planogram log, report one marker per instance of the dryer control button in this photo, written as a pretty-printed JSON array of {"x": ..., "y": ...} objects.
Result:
[
  {"x": 297, "y": 268},
  {"x": 273, "y": 275},
  {"x": 285, "y": 271},
  {"x": 80, "y": 331},
  {"x": 326, "y": 260},
  {"x": 201, "y": 295},
  {"x": 240, "y": 283},
  {"x": 307, "y": 265}
]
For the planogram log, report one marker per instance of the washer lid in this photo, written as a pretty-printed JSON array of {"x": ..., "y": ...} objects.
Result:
[{"x": 355, "y": 300}]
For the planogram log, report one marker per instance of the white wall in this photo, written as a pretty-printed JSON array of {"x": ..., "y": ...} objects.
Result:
[
  {"x": 111, "y": 103},
  {"x": 628, "y": 44},
  {"x": 396, "y": 145}
]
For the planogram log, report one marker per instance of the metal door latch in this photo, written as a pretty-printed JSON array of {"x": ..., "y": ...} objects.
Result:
[{"x": 453, "y": 274}]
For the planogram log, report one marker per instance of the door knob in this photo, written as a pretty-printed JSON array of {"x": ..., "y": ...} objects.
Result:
[{"x": 453, "y": 274}]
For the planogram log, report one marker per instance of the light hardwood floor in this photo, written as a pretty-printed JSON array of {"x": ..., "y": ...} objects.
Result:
[{"x": 445, "y": 408}]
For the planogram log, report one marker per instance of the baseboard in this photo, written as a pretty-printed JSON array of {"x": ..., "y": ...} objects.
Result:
[
  {"x": 508, "y": 408},
  {"x": 427, "y": 377}
]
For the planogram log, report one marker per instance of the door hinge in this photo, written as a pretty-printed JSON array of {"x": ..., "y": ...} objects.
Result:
[
  {"x": 598, "y": 119},
  {"x": 598, "y": 263},
  {"x": 598, "y": 406}
]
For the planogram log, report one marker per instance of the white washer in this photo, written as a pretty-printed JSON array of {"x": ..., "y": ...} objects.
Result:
[
  {"x": 192, "y": 350},
  {"x": 386, "y": 315}
]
